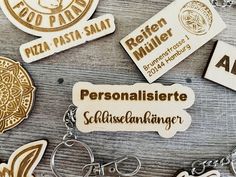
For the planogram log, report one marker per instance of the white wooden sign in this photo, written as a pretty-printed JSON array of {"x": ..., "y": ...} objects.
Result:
[
  {"x": 139, "y": 107},
  {"x": 222, "y": 67},
  {"x": 60, "y": 24},
  {"x": 172, "y": 35}
]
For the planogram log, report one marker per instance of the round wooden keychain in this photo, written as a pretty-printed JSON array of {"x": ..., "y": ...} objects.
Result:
[
  {"x": 59, "y": 24},
  {"x": 16, "y": 94}
]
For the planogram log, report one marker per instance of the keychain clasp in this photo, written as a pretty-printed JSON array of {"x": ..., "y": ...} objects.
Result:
[
  {"x": 93, "y": 169},
  {"x": 112, "y": 168}
]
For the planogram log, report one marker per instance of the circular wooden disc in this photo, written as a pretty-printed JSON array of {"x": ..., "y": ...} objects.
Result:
[{"x": 16, "y": 94}]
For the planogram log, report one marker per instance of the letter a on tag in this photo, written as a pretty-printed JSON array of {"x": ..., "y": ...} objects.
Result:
[
  {"x": 222, "y": 67},
  {"x": 172, "y": 35},
  {"x": 139, "y": 107},
  {"x": 60, "y": 24}
]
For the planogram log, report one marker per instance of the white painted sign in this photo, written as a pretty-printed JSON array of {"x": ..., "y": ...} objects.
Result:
[
  {"x": 60, "y": 24},
  {"x": 139, "y": 107},
  {"x": 222, "y": 67},
  {"x": 172, "y": 35}
]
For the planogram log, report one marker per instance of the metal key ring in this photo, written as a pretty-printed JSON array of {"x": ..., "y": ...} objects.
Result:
[
  {"x": 70, "y": 143},
  {"x": 124, "y": 159}
]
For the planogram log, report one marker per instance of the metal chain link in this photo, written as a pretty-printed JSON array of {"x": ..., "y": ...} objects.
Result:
[
  {"x": 199, "y": 167},
  {"x": 222, "y": 3},
  {"x": 70, "y": 122}
]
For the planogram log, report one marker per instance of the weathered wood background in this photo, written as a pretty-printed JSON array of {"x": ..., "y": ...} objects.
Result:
[{"x": 104, "y": 61}]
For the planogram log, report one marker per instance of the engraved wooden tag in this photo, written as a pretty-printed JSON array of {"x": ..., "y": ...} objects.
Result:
[
  {"x": 139, "y": 107},
  {"x": 213, "y": 173},
  {"x": 16, "y": 94},
  {"x": 61, "y": 24},
  {"x": 172, "y": 35},
  {"x": 24, "y": 160},
  {"x": 222, "y": 67}
]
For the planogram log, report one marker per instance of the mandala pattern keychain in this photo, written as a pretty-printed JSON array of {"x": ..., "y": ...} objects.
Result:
[{"x": 16, "y": 94}]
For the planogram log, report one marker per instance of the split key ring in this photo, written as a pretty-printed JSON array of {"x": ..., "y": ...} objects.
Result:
[{"x": 96, "y": 169}]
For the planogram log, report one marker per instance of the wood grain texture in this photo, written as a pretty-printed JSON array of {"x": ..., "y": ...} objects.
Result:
[{"x": 104, "y": 61}]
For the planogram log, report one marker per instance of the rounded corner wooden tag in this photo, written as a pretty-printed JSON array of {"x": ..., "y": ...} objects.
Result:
[
  {"x": 222, "y": 66},
  {"x": 24, "y": 160},
  {"x": 60, "y": 24},
  {"x": 171, "y": 36},
  {"x": 16, "y": 94},
  {"x": 139, "y": 107}
]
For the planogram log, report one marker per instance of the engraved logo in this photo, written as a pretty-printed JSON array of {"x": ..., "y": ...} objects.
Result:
[
  {"x": 196, "y": 17},
  {"x": 54, "y": 6},
  {"x": 42, "y": 16},
  {"x": 16, "y": 94}
]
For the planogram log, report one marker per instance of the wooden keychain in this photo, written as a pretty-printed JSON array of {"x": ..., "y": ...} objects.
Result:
[
  {"x": 133, "y": 108},
  {"x": 222, "y": 65},
  {"x": 172, "y": 35},
  {"x": 92, "y": 168},
  {"x": 16, "y": 94},
  {"x": 116, "y": 99},
  {"x": 59, "y": 24},
  {"x": 24, "y": 160}
]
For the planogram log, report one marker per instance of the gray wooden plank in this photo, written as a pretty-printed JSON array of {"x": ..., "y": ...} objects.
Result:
[{"x": 211, "y": 135}]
